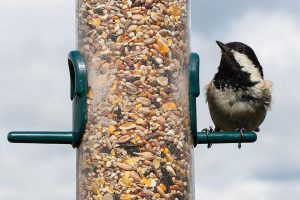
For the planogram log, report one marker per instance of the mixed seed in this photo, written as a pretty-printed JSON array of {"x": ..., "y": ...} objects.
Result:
[{"x": 137, "y": 143}]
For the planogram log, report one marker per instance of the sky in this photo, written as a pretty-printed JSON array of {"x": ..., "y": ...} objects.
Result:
[{"x": 35, "y": 38}]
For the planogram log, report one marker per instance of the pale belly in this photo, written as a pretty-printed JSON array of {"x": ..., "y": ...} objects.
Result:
[
  {"x": 237, "y": 117},
  {"x": 229, "y": 114}
]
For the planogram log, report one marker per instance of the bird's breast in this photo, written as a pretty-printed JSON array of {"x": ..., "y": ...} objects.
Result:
[{"x": 231, "y": 109}]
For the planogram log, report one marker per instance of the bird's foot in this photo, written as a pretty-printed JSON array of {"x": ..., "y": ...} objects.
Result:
[
  {"x": 241, "y": 130},
  {"x": 207, "y": 131}
]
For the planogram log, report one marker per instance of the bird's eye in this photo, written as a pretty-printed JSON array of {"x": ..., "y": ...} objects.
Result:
[{"x": 240, "y": 49}]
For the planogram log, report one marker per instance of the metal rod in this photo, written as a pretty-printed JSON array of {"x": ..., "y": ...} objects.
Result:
[
  {"x": 40, "y": 137},
  {"x": 225, "y": 137}
]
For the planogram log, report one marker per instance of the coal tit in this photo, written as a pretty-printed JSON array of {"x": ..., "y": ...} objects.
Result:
[{"x": 238, "y": 97}]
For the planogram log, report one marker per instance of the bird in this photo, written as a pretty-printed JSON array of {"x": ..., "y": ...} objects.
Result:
[{"x": 238, "y": 97}]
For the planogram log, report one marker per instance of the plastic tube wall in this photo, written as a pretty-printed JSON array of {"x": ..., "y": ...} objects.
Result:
[{"x": 137, "y": 143}]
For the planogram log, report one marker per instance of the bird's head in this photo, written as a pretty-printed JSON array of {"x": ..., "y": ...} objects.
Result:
[{"x": 239, "y": 56}]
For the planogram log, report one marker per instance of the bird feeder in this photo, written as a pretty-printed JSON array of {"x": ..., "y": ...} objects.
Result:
[{"x": 134, "y": 85}]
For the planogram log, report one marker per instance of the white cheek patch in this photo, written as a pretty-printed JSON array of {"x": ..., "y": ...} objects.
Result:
[{"x": 247, "y": 66}]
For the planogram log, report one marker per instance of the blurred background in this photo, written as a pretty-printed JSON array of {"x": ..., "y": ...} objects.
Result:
[{"x": 35, "y": 38}]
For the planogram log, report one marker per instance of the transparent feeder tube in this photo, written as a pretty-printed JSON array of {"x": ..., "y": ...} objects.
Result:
[{"x": 137, "y": 143}]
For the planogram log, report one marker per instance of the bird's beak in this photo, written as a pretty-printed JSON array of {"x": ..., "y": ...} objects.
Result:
[{"x": 222, "y": 46}]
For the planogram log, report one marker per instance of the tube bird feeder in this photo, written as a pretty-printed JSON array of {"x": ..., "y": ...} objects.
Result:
[{"x": 134, "y": 84}]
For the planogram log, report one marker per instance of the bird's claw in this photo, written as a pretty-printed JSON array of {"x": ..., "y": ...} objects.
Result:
[
  {"x": 241, "y": 130},
  {"x": 208, "y": 130}
]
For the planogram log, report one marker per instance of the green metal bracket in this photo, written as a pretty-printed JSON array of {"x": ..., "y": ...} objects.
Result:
[
  {"x": 194, "y": 92},
  {"x": 78, "y": 77},
  {"x": 225, "y": 137},
  {"x": 210, "y": 137}
]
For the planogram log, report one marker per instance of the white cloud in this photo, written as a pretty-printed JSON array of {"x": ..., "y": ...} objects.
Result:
[
  {"x": 274, "y": 35},
  {"x": 34, "y": 83},
  {"x": 251, "y": 189}
]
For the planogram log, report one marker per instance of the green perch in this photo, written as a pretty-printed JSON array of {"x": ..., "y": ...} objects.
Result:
[{"x": 78, "y": 95}]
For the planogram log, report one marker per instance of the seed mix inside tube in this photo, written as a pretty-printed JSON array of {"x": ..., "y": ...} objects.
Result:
[{"x": 137, "y": 144}]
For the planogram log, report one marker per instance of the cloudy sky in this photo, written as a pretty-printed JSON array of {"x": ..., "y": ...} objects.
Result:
[{"x": 35, "y": 38}]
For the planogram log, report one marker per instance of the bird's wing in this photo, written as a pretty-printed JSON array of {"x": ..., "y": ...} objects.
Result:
[
  {"x": 267, "y": 89},
  {"x": 208, "y": 90}
]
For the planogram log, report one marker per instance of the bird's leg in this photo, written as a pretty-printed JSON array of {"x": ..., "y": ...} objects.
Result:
[
  {"x": 241, "y": 130},
  {"x": 208, "y": 130}
]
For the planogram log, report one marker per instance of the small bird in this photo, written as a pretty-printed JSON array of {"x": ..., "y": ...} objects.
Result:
[{"x": 238, "y": 97}]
